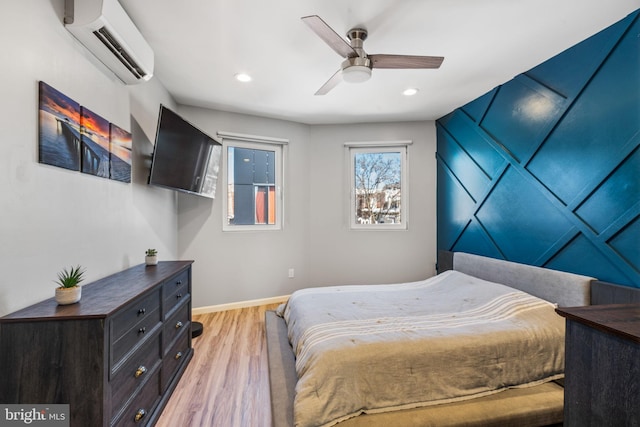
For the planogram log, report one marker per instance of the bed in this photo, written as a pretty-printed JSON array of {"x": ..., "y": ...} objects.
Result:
[{"x": 485, "y": 304}]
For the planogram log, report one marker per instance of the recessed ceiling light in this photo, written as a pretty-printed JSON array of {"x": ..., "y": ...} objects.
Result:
[
  {"x": 410, "y": 92},
  {"x": 242, "y": 77}
]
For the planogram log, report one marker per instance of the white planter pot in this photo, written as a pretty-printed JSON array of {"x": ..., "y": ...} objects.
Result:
[
  {"x": 65, "y": 296},
  {"x": 151, "y": 260}
]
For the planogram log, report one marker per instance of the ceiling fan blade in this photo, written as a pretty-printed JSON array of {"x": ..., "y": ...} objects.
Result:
[
  {"x": 330, "y": 84},
  {"x": 330, "y": 37},
  {"x": 405, "y": 61}
]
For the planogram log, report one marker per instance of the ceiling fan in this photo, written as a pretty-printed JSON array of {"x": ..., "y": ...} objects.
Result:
[{"x": 358, "y": 64}]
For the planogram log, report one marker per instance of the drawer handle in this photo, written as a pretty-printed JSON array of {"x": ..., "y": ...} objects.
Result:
[
  {"x": 142, "y": 330},
  {"x": 142, "y": 311},
  {"x": 140, "y": 415},
  {"x": 178, "y": 296},
  {"x": 179, "y": 325},
  {"x": 140, "y": 371},
  {"x": 178, "y": 355},
  {"x": 179, "y": 282}
]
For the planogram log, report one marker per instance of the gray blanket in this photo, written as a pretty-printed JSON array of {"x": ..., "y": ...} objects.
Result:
[{"x": 369, "y": 349}]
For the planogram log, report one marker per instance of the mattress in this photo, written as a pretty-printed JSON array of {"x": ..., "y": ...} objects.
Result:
[{"x": 380, "y": 348}]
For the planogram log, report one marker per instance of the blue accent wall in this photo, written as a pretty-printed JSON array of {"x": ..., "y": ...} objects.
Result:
[{"x": 545, "y": 169}]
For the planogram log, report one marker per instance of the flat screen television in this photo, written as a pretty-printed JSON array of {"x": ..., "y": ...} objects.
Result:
[{"x": 184, "y": 158}]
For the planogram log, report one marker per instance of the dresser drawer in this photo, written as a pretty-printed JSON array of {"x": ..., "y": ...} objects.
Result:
[
  {"x": 134, "y": 372},
  {"x": 134, "y": 337},
  {"x": 134, "y": 313},
  {"x": 176, "y": 355},
  {"x": 174, "y": 291},
  {"x": 138, "y": 412},
  {"x": 178, "y": 322}
]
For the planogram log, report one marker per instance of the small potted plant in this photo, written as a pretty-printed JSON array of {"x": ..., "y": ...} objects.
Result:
[
  {"x": 151, "y": 257},
  {"x": 69, "y": 290}
]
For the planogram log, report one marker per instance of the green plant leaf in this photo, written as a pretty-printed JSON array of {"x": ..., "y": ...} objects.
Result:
[{"x": 69, "y": 278}]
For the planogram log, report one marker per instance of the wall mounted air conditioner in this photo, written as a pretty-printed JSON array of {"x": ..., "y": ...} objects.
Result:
[{"x": 106, "y": 30}]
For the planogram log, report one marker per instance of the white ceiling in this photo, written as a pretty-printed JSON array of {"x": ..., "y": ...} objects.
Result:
[{"x": 200, "y": 45}]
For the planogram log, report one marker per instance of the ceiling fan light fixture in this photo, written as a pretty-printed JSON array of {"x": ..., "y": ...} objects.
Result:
[
  {"x": 356, "y": 74},
  {"x": 357, "y": 65}
]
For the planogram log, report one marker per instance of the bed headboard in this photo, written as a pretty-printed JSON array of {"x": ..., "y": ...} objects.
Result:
[{"x": 564, "y": 289}]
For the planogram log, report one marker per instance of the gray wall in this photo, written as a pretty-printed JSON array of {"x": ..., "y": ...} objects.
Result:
[
  {"x": 316, "y": 241},
  {"x": 52, "y": 217}
]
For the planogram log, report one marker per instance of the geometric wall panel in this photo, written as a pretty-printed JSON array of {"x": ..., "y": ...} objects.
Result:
[
  {"x": 454, "y": 204},
  {"x": 625, "y": 243},
  {"x": 475, "y": 142},
  {"x": 583, "y": 257},
  {"x": 521, "y": 220},
  {"x": 532, "y": 110},
  {"x": 476, "y": 108},
  {"x": 463, "y": 166},
  {"x": 619, "y": 193},
  {"x": 545, "y": 169},
  {"x": 474, "y": 239},
  {"x": 576, "y": 156},
  {"x": 578, "y": 63}
]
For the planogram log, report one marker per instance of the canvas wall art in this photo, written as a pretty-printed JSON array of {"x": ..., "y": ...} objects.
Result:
[
  {"x": 59, "y": 137},
  {"x": 95, "y": 143},
  {"x": 120, "y": 145},
  {"x": 71, "y": 136}
]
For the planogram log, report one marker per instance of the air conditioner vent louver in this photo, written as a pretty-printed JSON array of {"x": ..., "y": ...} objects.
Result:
[
  {"x": 104, "y": 28},
  {"x": 110, "y": 42}
]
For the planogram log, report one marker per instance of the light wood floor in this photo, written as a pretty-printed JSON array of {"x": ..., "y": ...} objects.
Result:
[{"x": 227, "y": 382}]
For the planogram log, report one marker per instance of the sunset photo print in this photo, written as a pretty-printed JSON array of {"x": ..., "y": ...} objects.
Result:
[{"x": 59, "y": 129}]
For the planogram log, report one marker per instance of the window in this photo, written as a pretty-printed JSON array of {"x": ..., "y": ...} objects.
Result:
[
  {"x": 252, "y": 174},
  {"x": 378, "y": 184}
]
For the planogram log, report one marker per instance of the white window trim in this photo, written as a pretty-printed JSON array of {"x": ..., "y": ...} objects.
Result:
[
  {"x": 374, "y": 144},
  {"x": 252, "y": 138},
  {"x": 351, "y": 148},
  {"x": 260, "y": 143}
]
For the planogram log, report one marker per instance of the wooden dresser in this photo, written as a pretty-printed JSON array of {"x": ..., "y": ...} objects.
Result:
[
  {"x": 602, "y": 372},
  {"x": 115, "y": 357}
]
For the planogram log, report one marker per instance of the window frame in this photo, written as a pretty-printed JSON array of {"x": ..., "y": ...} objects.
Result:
[
  {"x": 277, "y": 145},
  {"x": 353, "y": 148}
]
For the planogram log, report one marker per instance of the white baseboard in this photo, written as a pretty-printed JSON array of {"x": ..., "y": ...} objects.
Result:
[{"x": 240, "y": 304}]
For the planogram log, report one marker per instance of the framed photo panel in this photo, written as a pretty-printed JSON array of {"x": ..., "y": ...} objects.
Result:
[
  {"x": 95, "y": 143},
  {"x": 120, "y": 152},
  {"x": 59, "y": 129}
]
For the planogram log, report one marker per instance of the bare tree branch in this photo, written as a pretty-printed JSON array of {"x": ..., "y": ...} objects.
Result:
[{"x": 378, "y": 192}]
